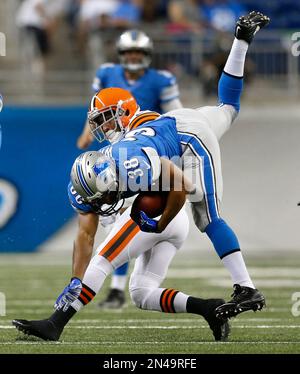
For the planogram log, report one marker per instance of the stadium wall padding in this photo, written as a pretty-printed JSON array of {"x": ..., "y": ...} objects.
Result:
[{"x": 36, "y": 155}]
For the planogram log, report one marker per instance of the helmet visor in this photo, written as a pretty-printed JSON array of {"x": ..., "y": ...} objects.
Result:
[{"x": 103, "y": 124}]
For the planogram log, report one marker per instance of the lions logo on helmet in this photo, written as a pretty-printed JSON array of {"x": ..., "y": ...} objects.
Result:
[
  {"x": 94, "y": 178},
  {"x": 135, "y": 40}
]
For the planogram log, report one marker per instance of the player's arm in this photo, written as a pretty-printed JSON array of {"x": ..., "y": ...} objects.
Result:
[
  {"x": 82, "y": 251},
  {"x": 171, "y": 105},
  {"x": 86, "y": 138},
  {"x": 179, "y": 186},
  {"x": 84, "y": 243},
  {"x": 169, "y": 92}
]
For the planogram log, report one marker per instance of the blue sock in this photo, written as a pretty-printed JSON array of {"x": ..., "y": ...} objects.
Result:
[
  {"x": 230, "y": 90},
  {"x": 222, "y": 237},
  {"x": 122, "y": 270}
]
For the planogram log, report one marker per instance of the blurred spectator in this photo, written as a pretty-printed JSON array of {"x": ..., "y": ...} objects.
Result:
[
  {"x": 222, "y": 14},
  {"x": 94, "y": 17},
  {"x": 95, "y": 14},
  {"x": 38, "y": 20},
  {"x": 153, "y": 9},
  {"x": 185, "y": 21},
  {"x": 34, "y": 23},
  {"x": 184, "y": 16},
  {"x": 101, "y": 21},
  {"x": 128, "y": 14}
]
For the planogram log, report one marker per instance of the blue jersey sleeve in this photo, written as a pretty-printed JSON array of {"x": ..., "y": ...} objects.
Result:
[
  {"x": 168, "y": 88},
  {"x": 76, "y": 201}
]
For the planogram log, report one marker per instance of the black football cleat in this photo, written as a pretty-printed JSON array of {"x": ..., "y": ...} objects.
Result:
[
  {"x": 115, "y": 300},
  {"x": 243, "y": 299},
  {"x": 219, "y": 327},
  {"x": 44, "y": 329},
  {"x": 248, "y": 26}
]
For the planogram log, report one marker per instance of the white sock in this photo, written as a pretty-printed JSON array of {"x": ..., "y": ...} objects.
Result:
[
  {"x": 156, "y": 301},
  {"x": 119, "y": 282},
  {"x": 235, "y": 264},
  {"x": 236, "y": 59},
  {"x": 94, "y": 276}
]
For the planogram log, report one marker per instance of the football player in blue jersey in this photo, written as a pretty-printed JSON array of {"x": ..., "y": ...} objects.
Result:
[
  {"x": 153, "y": 253},
  {"x": 190, "y": 139},
  {"x": 154, "y": 90}
]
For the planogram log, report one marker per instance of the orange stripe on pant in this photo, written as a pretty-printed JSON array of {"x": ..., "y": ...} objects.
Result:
[
  {"x": 124, "y": 243},
  {"x": 120, "y": 240},
  {"x": 116, "y": 237}
]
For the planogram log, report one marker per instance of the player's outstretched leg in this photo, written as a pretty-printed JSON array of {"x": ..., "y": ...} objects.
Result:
[
  {"x": 51, "y": 328},
  {"x": 245, "y": 296}
]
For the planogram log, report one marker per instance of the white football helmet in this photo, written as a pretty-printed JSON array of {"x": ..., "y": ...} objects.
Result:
[
  {"x": 94, "y": 178},
  {"x": 135, "y": 40}
]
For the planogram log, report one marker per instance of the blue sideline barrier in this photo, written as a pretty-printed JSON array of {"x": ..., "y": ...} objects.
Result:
[{"x": 36, "y": 155}]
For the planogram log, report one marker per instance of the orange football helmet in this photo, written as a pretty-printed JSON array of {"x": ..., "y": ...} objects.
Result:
[{"x": 110, "y": 113}]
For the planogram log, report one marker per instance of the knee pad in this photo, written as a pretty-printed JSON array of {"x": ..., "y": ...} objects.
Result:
[
  {"x": 139, "y": 296},
  {"x": 140, "y": 287}
]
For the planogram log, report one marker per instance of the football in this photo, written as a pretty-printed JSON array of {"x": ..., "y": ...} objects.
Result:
[{"x": 152, "y": 203}]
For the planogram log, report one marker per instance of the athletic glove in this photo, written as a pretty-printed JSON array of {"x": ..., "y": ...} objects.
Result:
[
  {"x": 69, "y": 294},
  {"x": 146, "y": 223}
]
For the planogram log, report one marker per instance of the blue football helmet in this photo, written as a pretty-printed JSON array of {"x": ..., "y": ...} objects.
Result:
[{"x": 94, "y": 178}]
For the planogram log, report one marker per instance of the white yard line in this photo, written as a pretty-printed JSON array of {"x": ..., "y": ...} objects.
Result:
[
  {"x": 166, "y": 320},
  {"x": 141, "y": 343},
  {"x": 149, "y": 327}
]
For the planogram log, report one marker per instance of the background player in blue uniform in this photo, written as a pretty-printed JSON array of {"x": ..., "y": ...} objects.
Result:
[{"x": 154, "y": 90}]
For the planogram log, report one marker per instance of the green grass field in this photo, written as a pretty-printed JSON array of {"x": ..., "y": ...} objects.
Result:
[{"x": 31, "y": 284}]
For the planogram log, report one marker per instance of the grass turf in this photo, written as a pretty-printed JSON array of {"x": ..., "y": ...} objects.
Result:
[{"x": 31, "y": 287}]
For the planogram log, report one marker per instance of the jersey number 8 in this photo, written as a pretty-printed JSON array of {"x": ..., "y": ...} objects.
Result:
[{"x": 133, "y": 163}]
